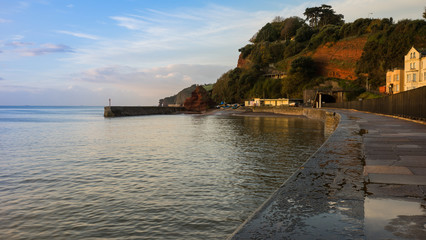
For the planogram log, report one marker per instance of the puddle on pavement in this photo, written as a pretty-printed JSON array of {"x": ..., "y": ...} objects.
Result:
[{"x": 394, "y": 219}]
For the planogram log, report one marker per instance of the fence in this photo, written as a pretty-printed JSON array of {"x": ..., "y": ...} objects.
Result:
[{"x": 409, "y": 104}]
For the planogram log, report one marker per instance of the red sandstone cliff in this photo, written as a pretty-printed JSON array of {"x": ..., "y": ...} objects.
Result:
[
  {"x": 338, "y": 60},
  {"x": 243, "y": 62},
  {"x": 199, "y": 100}
]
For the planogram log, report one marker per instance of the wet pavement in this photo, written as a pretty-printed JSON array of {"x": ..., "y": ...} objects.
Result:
[{"x": 368, "y": 181}]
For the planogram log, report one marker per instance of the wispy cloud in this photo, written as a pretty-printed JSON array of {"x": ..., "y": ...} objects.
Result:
[
  {"x": 23, "y": 4},
  {"x": 154, "y": 82},
  {"x": 129, "y": 23},
  {"x": 80, "y": 35},
  {"x": 18, "y": 44},
  {"x": 46, "y": 49},
  {"x": 2, "y": 20},
  {"x": 1, "y": 78},
  {"x": 209, "y": 35}
]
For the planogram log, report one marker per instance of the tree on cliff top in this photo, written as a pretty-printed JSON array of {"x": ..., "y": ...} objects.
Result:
[
  {"x": 278, "y": 29},
  {"x": 323, "y": 15}
]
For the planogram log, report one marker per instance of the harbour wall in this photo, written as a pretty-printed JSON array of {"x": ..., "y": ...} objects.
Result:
[
  {"x": 327, "y": 189},
  {"x": 331, "y": 119},
  {"x": 125, "y": 111}
]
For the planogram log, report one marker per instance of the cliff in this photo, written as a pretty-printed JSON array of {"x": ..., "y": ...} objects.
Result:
[
  {"x": 179, "y": 98},
  {"x": 199, "y": 101},
  {"x": 338, "y": 60}
]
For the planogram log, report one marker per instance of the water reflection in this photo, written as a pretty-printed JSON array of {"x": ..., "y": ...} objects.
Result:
[
  {"x": 152, "y": 177},
  {"x": 394, "y": 219}
]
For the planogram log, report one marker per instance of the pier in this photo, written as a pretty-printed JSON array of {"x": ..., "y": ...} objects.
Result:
[{"x": 125, "y": 111}]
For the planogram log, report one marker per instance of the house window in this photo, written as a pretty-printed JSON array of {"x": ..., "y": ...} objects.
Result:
[
  {"x": 408, "y": 77},
  {"x": 397, "y": 87},
  {"x": 397, "y": 77},
  {"x": 414, "y": 77},
  {"x": 424, "y": 76},
  {"x": 414, "y": 65},
  {"x": 414, "y": 54},
  {"x": 411, "y": 55}
]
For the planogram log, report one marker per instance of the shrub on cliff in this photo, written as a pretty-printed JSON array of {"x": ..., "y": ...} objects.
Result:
[{"x": 301, "y": 74}]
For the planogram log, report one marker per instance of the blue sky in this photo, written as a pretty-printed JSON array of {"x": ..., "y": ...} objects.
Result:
[{"x": 70, "y": 52}]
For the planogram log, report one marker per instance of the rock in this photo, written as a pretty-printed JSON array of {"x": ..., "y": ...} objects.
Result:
[
  {"x": 178, "y": 99},
  {"x": 338, "y": 60},
  {"x": 199, "y": 100},
  {"x": 243, "y": 62}
]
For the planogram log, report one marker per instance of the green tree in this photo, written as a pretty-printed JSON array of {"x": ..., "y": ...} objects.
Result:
[
  {"x": 312, "y": 15},
  {"x": 301, "y": 74},
  {"x": 291, "y": 25},
  {"x": 304, "y": 33},
  {"x": 303, "y": 65},
  {"x": 424, "y": 14},
  {"x": 323, "y": 15},
  {"x": 269, "y": 33},
  {"x": 329, "y": 16}
]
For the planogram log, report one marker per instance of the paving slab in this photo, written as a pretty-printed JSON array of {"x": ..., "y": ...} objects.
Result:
[
  {"x": 379, "y": 162},
  {"x": 413, "y": 158},
  {"x": 380, "y": 190},
  {"x": 406, "y": 161},
  {"x": 383, "y": 169},
  {"x": 381, "y": 156},
  {"x": 408, "y": 146},
  {"x": 397, "y": 179},
  {"x": 418, "y": 170}
]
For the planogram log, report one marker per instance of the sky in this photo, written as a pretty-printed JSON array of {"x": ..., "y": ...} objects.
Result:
[{"x": 135, "y": 52}]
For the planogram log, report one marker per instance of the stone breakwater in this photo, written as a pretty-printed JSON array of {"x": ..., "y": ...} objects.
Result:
[
  {"x": 324, "y": 198},
  {"x": 125, "y": 111},
  {"x": 330, "y": 119}
]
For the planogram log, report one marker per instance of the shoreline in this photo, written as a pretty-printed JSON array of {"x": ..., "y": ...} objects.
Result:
[{"x": 249, "y": 113}]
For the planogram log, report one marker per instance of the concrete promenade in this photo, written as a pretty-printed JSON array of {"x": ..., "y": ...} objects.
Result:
[{"x": 368, "y": 181}]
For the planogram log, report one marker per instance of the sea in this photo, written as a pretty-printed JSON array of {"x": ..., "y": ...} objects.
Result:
[{"x": 70, "y": 173}]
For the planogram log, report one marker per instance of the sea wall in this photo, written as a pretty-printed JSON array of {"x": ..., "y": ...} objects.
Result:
[
  {"x": 124, "y": 111},
  {"x": 330, "y": 118},
  {"x": 324, "y": 197}
]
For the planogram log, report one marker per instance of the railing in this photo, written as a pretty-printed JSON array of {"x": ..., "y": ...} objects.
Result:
[{"x": 409, "y": 104}]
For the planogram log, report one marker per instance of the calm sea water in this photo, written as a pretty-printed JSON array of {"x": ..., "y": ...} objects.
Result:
[{"x": 68, "y": 173}]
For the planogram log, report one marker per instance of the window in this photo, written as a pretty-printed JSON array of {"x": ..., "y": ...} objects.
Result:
[
  {"x": 411, "y": 55},
  {"x": 397, "y": 77},
  {"x": 414, "y": 65},
  {"x": 424, "y": 76},
  {"x": 414, "y": 54},
  {"x": 408, "y": 78},
  {"x": 414, "y": 77},
  {"x": 397, "y": 87}
]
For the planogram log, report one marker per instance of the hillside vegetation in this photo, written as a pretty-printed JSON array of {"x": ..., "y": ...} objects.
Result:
[{"x": 317, "y": 49}]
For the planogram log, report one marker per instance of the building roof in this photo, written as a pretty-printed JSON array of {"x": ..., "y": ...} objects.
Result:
[{"x": 422, "y": 51}]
